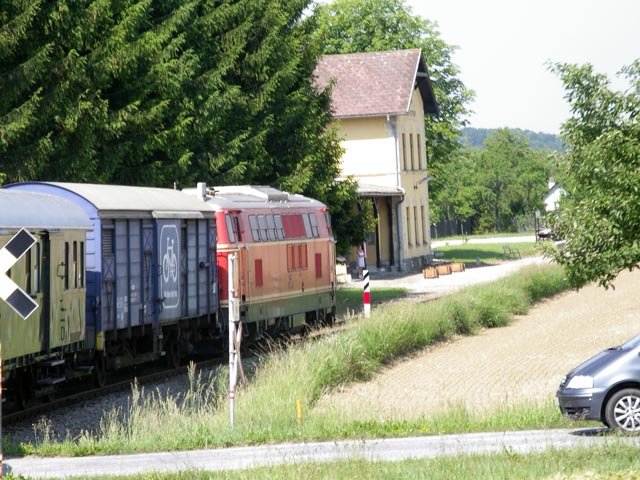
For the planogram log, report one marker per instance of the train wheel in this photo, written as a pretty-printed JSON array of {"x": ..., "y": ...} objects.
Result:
[
  {"x": 24, "y": 389},
  {"x": 172, "y": 355},
  {"x": 100, "y": 375}
]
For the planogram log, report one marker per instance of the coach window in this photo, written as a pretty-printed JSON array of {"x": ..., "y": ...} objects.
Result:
[
  {"x": 27, "y": 272},
  {"x": 66, "y": 265},
  {"x": 82, "y": 266},
  {"x": 271, "y": 227},
  {"x": 36, "y": 270},
  {"x": 74, "y": 264},
  {"x": 255, "y": 231},
  {"x": 307, "y": 225},
  {"x": 279, "y": 227},
  {"x": 262, "y": 223}
]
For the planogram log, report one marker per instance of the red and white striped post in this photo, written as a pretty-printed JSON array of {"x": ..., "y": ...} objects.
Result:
[{"x": 366, "y": 294}]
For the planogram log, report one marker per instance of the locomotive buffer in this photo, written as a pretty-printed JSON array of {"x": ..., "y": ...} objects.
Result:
[{"x": 15, "y": 297}]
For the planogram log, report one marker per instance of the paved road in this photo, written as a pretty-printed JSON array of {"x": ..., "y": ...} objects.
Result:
[
  {"x": 371, "y": 450},
  {"x": 417, "y": 284}
]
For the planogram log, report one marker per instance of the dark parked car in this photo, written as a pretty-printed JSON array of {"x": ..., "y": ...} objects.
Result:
[{"x": 605, "y": 388}]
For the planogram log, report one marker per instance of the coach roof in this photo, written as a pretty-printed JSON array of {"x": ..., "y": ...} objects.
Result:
[
  {"x": 39, "y": 211},
  {"x": 116, "y": 200}
]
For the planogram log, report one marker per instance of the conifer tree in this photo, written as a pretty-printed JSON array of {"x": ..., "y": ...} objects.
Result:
[{"x": 92, "y": 90}]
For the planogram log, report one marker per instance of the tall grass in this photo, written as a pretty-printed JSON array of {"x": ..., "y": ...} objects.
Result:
[{"x": 265, "y": 409}]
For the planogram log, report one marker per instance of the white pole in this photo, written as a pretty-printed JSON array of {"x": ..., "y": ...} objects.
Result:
[
  {"x": 233, "y": 318},
  {"x": 366, "y": 294}
]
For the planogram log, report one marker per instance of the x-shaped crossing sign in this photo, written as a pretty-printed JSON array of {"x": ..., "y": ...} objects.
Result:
[{"x": 15, "y": 297}]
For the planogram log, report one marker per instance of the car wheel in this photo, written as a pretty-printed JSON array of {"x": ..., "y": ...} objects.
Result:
[{"x": 623, "y": 411}]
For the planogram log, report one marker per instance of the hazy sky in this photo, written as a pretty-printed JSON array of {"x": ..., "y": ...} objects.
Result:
[{"x": 504, "y": 45}]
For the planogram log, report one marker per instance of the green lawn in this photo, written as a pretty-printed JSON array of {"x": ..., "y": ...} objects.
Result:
[
  {"x": 349, "y": 299},
  {"x": 486, "y": 253}
]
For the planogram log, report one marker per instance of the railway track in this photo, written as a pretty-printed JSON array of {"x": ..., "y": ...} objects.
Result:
[{"x": 84, "y": 390}]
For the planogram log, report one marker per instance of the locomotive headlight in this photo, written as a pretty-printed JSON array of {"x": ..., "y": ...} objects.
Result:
[{"x": 580, "y": 381}]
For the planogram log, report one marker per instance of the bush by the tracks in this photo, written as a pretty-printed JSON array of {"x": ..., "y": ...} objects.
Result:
[{"x": 265, "y": 409}]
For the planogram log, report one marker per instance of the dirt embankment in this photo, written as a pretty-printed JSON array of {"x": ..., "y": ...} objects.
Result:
[{"x": 522, "y": 362}]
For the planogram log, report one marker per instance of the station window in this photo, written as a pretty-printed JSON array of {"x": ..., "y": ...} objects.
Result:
[
  {"x": 424, "y": 225},
  {"x": 413, "y": 167},
  {"x": 415, "y": 225},
  {"x": 404, "y": 152},
  {"x": 409, "y": 236}
]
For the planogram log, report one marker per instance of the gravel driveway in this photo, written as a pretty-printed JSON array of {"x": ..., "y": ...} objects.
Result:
[{"x": 522, "y": 362}]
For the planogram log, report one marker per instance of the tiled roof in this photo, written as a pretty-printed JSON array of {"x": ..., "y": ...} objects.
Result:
[{"x": 375, "y": 83}]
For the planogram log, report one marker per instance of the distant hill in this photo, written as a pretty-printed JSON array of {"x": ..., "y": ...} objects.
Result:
[{"x": 474, "y": 137}]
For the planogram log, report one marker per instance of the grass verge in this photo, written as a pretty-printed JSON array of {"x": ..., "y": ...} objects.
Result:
[
  {"x": 265, "y": 409},
  {"x": 612, "y": 461}
]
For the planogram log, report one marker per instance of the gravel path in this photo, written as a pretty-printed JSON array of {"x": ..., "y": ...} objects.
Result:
[{"x": 522, "y": 362}]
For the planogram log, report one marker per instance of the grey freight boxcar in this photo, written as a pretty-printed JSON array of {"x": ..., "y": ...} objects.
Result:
[{"x": 151, "y": 277}]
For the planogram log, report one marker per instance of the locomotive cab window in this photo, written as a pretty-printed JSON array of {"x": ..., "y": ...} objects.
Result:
[
  {"x": 262, "y": 223},
  {"x": 255, "y": 230},
  {"x": 307, "y": 225},
  {"x": 314, "y": 225},
  {"x": 327, "y": 218},
  {"x": 279, "y": 227},
  {"x": 233, "y": 230},
  {"x": 271, "y": 227}
]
